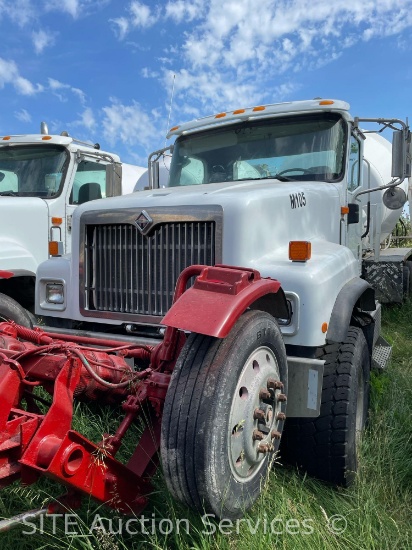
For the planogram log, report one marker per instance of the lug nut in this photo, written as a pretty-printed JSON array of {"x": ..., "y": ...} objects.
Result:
[
  {"x": 281, "y": 416},
  {"x": 265, "y": 448},
  {"x": 257, "y": 435},
  {"x": 275, "y": 434},
  {"x": 265, "y": 395},
  {"x": 273, "y": 384},
  {"x": 282, "y": 397},
  {"x": 259, "y": 414}
]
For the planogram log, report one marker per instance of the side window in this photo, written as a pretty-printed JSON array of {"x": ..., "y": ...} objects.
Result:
[
  {"x": 89, "y": 182},
  {"x": 354, "y": 165}
]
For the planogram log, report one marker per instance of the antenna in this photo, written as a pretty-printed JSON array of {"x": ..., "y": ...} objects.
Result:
[{"x": 170, "y": 107}]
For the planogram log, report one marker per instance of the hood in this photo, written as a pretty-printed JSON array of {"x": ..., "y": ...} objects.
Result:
[
  {"x": 212, "y": 193},
  {"x": 23, "y": 234},
  {"x": 259, "y": 217}
]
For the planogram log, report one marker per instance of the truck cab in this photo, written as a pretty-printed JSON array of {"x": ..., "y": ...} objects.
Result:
[
  {"x": 243, "y": 185},
  {"x": 43, "y": 178}
]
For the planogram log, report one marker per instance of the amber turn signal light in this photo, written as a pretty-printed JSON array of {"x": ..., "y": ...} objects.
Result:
[
  {"x": 53, "y": 248},
  {"x": 300, "y": 251}
]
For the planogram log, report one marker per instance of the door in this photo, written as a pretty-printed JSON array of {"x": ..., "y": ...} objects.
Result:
[
  {"x": 354, "y": 182},
  {"x": 88, "y": 183}
]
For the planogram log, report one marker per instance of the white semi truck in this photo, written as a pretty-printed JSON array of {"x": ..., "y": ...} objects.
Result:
[
  {"x": 43, "y": 178},
  {"x": 295, "y": 192}
]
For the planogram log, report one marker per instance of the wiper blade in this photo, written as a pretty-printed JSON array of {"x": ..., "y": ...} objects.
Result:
[
  {"x": 274, "y": 177},
  {"x": 8, "y": 194}
]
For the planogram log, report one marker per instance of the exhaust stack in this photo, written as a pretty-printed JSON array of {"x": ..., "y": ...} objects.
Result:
[{"x": 44, "y": 128}]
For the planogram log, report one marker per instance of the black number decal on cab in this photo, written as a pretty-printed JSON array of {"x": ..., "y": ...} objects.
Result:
[{"x": 297, "y": 200}]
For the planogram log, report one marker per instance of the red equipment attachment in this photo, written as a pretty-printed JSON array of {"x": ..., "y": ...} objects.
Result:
[{"x": 34, "y": 444}]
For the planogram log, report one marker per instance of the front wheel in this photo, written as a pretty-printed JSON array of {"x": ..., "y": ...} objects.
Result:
[
  {"x": 10, "y": 310},
  {"x": 223, "y": 416}
]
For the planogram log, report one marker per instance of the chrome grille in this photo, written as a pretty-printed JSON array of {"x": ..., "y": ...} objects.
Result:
[{"x": 127, "y": 272}]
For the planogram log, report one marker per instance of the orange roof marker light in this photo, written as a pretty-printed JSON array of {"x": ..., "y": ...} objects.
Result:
[
  {"x": 326, "y": 102},
  {"x": 45, "y": 138},
  {"x": 238, "y": 111},
  {"x": 300, "y": 251},
  {"x": 173, "y": 129},
  {"x": 220, "y": 115},
  {"x": 259, "y": 108},
  {"x": 6, "y": 138}
]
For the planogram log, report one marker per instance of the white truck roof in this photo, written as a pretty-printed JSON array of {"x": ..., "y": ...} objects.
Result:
[
  {"x": 66, "y": 141},
  {"x": 260, "y": 111}
]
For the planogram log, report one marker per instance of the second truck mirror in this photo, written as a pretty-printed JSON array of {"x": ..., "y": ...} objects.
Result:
[
  {"x": 353, "y": 216},
  {"x": 113, "y": 179},
  {"x": 154, "y": 174},
  {"x": 401, "y": 162}
]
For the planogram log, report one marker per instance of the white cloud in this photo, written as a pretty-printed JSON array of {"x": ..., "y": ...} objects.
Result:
[
  {"x": 75, "y": 8},
  {"x": 149, "y": 73},
  {"x": 21, "y": 12},
  {"x": 288, "y": 29},
  {"x": 23, "y": 115},
  {"x": 9, "y": 74},
  {"x": 141, "y": 14},
  {"x": 59, "y": 88},
  {"x": 183, "y": 10},
  {"x": 129, "y": 124},
  {"x": 80, "y": 94},
  {"x": 42, "y": 39},
  {"x": 87, "y": 119},
  {"x": 121, "y": 27},
  {"x": 237, "y": 50},
  {"x": 68, "y": 6},
  {"x": 236, "y": 53}
]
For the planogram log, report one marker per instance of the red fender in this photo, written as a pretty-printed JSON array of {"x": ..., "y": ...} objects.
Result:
[{"x": 219, "y": 296}]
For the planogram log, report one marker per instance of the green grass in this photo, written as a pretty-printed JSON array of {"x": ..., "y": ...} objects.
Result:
[{"x": 377, "y": 509}]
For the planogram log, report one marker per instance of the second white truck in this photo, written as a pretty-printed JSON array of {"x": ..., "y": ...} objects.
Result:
[{"x": 43, "y": 178}]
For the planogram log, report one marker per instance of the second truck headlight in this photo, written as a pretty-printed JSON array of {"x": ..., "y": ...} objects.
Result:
[{"x": 54, "y": 293}]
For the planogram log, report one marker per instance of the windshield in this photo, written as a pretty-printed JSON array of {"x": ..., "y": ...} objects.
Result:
[
  {"x": 303, "y": 148},
  {"x": 32, "y": 171}
]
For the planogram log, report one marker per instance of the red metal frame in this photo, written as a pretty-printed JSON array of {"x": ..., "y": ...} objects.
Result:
[{"x": 34, "y": 444}]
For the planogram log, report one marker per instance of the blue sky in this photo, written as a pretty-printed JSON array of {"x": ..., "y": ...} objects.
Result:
[{"x": 103, "y": 69}]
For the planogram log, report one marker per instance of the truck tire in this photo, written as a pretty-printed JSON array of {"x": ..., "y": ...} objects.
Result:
[
  {"x": 10, "y": 310},
  {"x": 408, "y": 266},
  {"x": 210, "y": 458},
  {"x": 326, "y": 447}
]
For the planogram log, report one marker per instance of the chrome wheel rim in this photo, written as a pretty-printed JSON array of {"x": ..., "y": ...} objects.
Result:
[{"x": 247, "y": 434}]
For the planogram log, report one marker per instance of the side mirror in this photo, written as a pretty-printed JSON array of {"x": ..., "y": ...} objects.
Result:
[
  {"x": 401, "y": 156},
  {"x": 394, "y": 198},
  {"x": 353, "y": 216},
  {"x": 113, "y": 179},
  {"x": 153, "y": 166},
  {"x": 154, "y": 174}
]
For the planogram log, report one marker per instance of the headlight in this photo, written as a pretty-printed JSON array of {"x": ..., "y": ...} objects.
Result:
[{"x": 54, "y": 294}]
